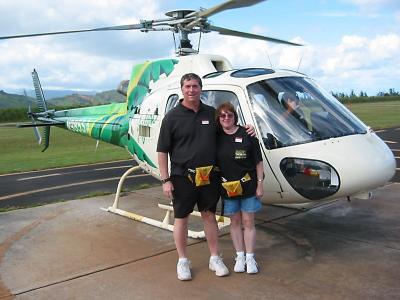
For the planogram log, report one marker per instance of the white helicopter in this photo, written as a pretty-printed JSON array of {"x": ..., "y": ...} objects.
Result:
[{"x": 316, "y": 151}]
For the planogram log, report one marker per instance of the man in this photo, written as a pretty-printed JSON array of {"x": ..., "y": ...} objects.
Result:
[{"x": 188, "y": 136}]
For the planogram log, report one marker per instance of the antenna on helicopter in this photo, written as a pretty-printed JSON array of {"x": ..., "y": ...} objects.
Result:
[
  {"x": 298, "y": 67},
  {"x": 182, "y": 22},
  {"x": 266, "y": 51}
]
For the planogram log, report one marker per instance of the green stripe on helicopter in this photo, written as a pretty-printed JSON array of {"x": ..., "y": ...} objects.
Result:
[
  {"x": 110, "y": 123},
  {"x": 141, "y": 77}
]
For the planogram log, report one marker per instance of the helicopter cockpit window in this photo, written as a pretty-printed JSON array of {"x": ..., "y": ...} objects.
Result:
[
  {"x": 171, "y": 102},
  {"x": 294, "y": 110},
  {"x": 250, "y": 72},
  {"x": 216, "y": 98}
]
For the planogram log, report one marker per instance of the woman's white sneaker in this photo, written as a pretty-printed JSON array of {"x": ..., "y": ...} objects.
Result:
[
  {"x": 240, "y": 265},
  {"x": 251, "y": 265}
]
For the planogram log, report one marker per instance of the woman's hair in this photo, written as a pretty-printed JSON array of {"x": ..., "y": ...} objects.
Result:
[{"x": 226, "y": 106}]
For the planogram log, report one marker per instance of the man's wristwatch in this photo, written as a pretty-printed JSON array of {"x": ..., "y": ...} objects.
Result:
[{"x": 165, "y": 180}]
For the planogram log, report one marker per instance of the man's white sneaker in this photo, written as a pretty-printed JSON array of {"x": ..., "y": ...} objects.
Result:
[
  {"x": 251, "y": 265},
  {"x": 183, "y": 270},
  {"x": 217, "y": 265},
  {"x": 240, "y": 264}
]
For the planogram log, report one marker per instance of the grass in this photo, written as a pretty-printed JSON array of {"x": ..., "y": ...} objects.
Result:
[
  {"x": 377, "y": 114},
  {"x": 19, "y": 151}
]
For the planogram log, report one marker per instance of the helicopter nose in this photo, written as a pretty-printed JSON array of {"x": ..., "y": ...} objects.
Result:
[
  {"x": 339, "y": 167},
  {"x": 367, "y": 164}
]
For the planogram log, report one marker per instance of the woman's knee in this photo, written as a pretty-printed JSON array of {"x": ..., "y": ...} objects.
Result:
[{"x": 248, "y": 220}]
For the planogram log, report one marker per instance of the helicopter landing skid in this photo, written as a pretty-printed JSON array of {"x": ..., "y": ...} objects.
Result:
[{"x": 166, "y": 222}]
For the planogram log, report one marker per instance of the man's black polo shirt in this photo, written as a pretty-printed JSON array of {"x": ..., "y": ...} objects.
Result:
[{"x": 189, "y": 138}]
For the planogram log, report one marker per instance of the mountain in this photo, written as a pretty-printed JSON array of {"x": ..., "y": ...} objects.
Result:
[
  {"x": 74, "y": 100},
  {"x": 78, "y": 100},
  {"x": 14, "y": 101},
  {"x": 50, "y": 94}
]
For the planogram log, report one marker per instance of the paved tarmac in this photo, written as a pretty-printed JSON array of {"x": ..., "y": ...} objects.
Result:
[{"x": 74, "y": 250}]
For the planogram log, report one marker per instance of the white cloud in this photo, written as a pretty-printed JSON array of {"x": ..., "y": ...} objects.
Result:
[
  {"x": 102, "y": 60},
  {"x": 355, "y": 63},
  {"x": 89, "y": 60}
]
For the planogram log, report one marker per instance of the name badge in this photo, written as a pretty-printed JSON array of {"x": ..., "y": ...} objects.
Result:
[
  {"x": 205, "y": 122},
  {"x": 238, "y": 140}
]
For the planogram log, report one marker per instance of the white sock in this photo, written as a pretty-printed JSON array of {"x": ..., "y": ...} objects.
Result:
[
  {"x": 183, "y": 259},
  {"x": 240, "y": 253},
  {"x": 248, "y": 255},
  {"x": 213, "y": 257}
]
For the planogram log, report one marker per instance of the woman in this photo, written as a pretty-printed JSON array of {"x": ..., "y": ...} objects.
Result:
[{"x": 239, "y": 158}]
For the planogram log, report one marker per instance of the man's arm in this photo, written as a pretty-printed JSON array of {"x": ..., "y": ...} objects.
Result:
[{"x": 163, "y": 167}]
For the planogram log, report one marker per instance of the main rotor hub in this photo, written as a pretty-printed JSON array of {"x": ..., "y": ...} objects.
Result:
[{"x": 180, "y": 13}]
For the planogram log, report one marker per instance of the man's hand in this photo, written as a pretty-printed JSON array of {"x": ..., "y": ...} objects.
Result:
[
  {"x": 168, "y": 189},
  {"x": 250, "y": 130}
]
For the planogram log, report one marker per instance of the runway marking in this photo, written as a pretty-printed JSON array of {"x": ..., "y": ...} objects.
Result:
[
  {"x": 382, "y": 130},
  {"x": 390, "y": 142},
  {"x": 110, "y": 168},
  {"x": 74, "y": 172},
  {"x": 68, "y": 167},
  {"x": 66, "y": 185},
  {"x": 42, "y": 176}
]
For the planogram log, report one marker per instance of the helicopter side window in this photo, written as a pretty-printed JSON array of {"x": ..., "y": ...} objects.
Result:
[
  {"x": 216, "y": 98},
  {"x": 171, "y": 102}
]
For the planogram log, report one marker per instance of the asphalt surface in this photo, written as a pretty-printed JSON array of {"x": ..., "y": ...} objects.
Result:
[
  {"x": 74, "y": 250},
  {"x": 55, "y": 185}
]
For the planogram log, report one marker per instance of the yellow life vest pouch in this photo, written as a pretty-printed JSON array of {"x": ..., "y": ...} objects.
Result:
[
  {"x": 202, "y": 176},
  {"x": 234, "y": 188}
]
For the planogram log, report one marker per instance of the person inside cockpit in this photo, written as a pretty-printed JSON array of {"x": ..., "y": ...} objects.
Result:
[{"x": 291, "y": 103}]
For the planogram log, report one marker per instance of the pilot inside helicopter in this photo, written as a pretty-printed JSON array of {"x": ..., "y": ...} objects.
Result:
[{"x": 291, "y": 103}]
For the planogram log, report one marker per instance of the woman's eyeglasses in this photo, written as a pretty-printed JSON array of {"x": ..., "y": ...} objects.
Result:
[{"x": 226, "y": 116}]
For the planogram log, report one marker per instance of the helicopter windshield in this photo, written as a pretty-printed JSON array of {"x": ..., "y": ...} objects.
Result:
[{"x": 294, "y": 110}]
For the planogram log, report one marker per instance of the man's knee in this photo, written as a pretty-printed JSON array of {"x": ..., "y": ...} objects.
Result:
[
  {"x": 208, "y": 216},
  {"x": 181, "y": 222}
]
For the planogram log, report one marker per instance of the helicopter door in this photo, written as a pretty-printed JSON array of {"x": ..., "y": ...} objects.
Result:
[{"x": 145, "y": 127}]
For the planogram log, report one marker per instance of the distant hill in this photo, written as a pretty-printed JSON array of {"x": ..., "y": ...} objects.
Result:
[
  {"x": 15, "y": 101},
  {"x": 77, "y": 100},
  {"x": 50, "y": 94},
  {"x": 74, "y": 100}
]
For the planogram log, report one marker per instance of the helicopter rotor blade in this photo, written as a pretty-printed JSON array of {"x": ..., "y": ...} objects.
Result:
[
  {"x": 35, "y": 129},
  {"x": 225, "y": 31},
  {"x": 141, "y": 25},
  {"x": 225, "y": 6}
]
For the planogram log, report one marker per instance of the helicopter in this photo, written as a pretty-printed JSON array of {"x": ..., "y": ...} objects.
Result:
[{"x": 321, "y": 152}]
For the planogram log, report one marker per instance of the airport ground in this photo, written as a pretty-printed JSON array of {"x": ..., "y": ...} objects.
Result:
[{"x": 75, "y": 250}]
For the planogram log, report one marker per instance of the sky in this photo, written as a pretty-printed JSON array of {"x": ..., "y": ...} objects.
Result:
[{"x": 348, "y": 44}]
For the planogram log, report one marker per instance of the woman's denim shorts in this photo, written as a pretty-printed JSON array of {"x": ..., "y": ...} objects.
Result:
[{"x": 248, "y": 205}]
